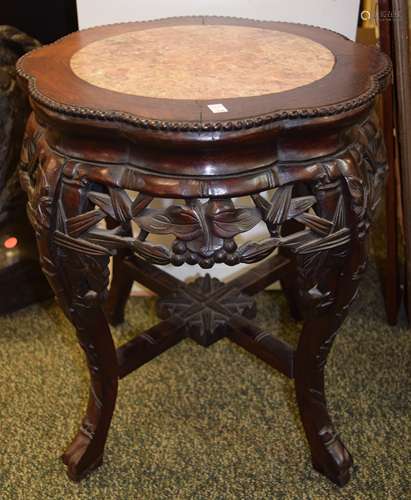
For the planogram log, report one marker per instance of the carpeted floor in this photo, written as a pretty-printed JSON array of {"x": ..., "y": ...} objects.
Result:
[{"x": 204, "y": 423}]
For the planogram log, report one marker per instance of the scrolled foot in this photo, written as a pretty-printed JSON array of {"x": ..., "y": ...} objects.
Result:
[
  {"x": 333, "y": 460},
  {"x": 79, "y": 457}
]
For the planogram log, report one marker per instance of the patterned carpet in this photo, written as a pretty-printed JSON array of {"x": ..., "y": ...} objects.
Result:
[{"x": 205, "y": 423}]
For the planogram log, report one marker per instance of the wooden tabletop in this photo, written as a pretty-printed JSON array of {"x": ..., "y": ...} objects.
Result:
[{"x": 203, "y": 72}]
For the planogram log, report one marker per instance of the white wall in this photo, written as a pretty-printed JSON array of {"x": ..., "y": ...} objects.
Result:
[{"x": 338, "y": 15}]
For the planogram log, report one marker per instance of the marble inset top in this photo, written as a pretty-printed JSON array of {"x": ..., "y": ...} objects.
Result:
[{"x": 202, "y": 62}]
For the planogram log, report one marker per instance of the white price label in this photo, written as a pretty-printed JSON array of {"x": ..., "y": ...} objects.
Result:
[{"x": 217, "y": 108}]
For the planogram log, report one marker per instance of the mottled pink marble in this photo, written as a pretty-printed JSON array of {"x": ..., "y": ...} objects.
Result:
[{"x": 202, "y": 62}]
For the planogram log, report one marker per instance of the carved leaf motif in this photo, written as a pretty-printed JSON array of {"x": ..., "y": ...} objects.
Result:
[
  {"x": 121, "y": 204},
  {"x": 81, "y": 223},
  {"x": 79, "y": 245},
  {"x": 311, "y": 263},
  {"x": 44, "y": 207},
  {"x": 25, "y": 182},
  {"x": 253, "y": 252},
  {"x": 183, "y": 222},
  {"x": 333, "y": 240},
  {"x": 315, "y": 223},
  {"x": 295, "y": 240},
  {"x": 261, "y": 203},
  {"x": 339, "y": 215},
  {"x": 280, "y": 204},
  {"x": 42, "y": 183},
  {"x": 379, "y": 150},
  {"x": 103, "y": 201},
  {"x": 60, "y": 218},
  {"x": 229, "y": 223},
  {"x": 30, "y": 148},
  {"x": 157, "y": 254},
  {"x": 108, "y": 239},
  {"x": 355, "y": 186},
  {"x": 140, "y": 203},
  {"x": 300, "y": 205}
]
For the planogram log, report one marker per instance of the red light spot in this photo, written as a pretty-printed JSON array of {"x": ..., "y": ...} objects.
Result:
[{"x": 10, "y": 242}]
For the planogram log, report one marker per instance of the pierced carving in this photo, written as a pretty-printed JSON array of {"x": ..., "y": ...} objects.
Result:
[
  {"x": 66, "y": 207},
  {"x": 205, "y": 231},
  {"x": 319, "y": 236}
]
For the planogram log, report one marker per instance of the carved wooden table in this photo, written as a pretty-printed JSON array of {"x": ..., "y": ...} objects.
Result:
[{"x": 203, "y": 111}]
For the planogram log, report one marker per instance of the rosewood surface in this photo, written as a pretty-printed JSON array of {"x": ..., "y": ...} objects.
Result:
[{"x": 310, "y": 160}]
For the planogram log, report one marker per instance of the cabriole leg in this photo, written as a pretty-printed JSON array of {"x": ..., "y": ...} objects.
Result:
[
  {"x": 329, "y": 281},
  {"x": 85, "y": 277},
  {"x": 328, "y": 288},
  {"x": 79, "y": 281}
]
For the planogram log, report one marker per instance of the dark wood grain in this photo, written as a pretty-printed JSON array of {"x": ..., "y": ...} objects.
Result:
[
  {"x": 148, "y": 345},
  {"x": 263, "y": 275},
  {"x": 319, "y": 146},
  {"x": 403, "y": 89},
  {"x": 151, "y": 276},
  {"x": 262, "y": 344},
  {"x": 392, "y": 275}
]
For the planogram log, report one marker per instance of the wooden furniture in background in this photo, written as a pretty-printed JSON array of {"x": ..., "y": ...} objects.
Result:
[
  {"x": 21, "y": 279},
  {"x": 22, "y": 23},
  {"x": 392, "y": 272},
  {"x": 402, "y": 78},
  {"x": 391, "y": 23},
  {"x": 46, "y": 21},
  {"x": 277, "y": 112}
]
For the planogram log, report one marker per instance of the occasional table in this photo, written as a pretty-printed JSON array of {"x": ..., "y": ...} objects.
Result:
[{"x": 203, "y": 111}]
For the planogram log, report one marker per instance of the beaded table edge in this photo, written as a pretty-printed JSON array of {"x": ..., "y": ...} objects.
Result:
[{"x": 379, "y": 81}]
